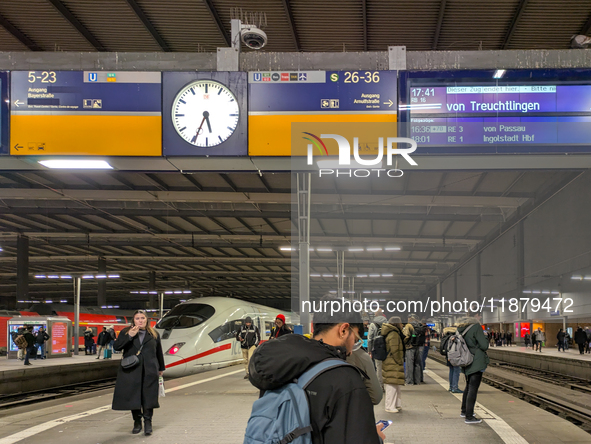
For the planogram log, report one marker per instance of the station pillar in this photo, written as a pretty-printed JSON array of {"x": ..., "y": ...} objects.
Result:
[
  {"x": 22, "y": 271},
  {"x": 152, "y": 286},
  {"x": 102, "y": 283}
]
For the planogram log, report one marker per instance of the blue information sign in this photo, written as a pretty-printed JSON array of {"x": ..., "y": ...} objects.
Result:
[
  {"x": 85, "y": 113},
  {"x": 283, "y": 104}
]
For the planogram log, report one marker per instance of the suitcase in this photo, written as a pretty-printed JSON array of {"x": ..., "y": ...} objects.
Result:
[{"x": 108, "y": 354}]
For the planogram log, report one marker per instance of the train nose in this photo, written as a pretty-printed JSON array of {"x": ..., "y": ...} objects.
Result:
[{"x": 175, "y": 366}]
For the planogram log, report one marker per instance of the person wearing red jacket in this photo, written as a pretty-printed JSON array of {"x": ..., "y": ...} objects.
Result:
[{"x": 280, "y": 328}]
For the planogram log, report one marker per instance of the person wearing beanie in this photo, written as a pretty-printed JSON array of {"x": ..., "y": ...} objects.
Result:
[
  {"x": 280, "y": 328},
  {"x": 341, "y": 410},
  {"x": 393, "y": 365},
  {"x": 249, "y": 338}
]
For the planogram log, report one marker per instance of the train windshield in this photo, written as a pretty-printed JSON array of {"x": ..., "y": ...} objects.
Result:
[{"x": 186, "y": 316}]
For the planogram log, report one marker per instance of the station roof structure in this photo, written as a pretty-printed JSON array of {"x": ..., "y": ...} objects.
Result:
[
  {"x": 292, "y": 25},
  {"x": 222, "y": 234}
]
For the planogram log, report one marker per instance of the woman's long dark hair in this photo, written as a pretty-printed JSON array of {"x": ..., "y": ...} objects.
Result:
[{"x": 149, "y": 329}]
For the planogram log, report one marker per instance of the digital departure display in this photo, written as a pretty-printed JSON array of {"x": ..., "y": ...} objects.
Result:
[{"x": 547, "y": 111}]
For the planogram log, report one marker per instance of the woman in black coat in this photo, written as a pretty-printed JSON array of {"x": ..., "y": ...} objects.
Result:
[
  {"x": 136, "y": 388},
  {"x": 88, "y": 341}
]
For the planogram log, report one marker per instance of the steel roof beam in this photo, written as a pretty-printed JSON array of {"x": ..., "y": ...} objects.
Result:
[
  {"x": 292, "y": 27},
  {"x": 218, "y": 21},
  {"x": 364, "y": 19},
  {"x": 19, "y": 35},
  {"x": 439, "y": 25},
  {"x": 586, "y": 29},
  {"x": 77, "y": 25},
  {"x": 514, "y": 22},
  {"x": 148, "y": 25}
]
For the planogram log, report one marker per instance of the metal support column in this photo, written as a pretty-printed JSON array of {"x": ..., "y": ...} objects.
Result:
[
  {"x": 77, "y": 316},
  {"x": 102, "y": 283},
  {"x": 340, "y": 273},
  {"x": 152, "y": 286},
  {"x": 22, "y": 270},
  {"x": 304, "y": 182},
  {"x": 520, "y": 244},
  {"x": 161, "y": 304}
]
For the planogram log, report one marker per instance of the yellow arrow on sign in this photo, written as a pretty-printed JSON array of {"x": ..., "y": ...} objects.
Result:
[{"x": 389, "y": 103}]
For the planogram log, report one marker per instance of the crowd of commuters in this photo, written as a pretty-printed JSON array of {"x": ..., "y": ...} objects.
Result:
[
  {"x": 340, "y": 402},
  {"x": 500, "y": 338},
  {"x": 29, "y": 344}
]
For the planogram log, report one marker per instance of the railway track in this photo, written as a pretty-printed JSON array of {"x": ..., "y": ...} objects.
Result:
[
  {"x": 27, "y": 398},
  {"x": 555, "y": 404}
]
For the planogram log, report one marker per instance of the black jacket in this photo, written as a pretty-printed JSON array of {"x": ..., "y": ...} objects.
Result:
[
  {"x": 88, "y": 338},
  {"x": 141, "y": 382},
  {"x": 580, "y": 336},
  {"x": 560, "y": 336},
  {"x": 284, "y": 330},
  {"x": 104, "y": 338},
  {"x": 341, "y": 411},
  {"x": 41, "y": 337},
  {"x": 30, "y": 338},
  {"x": 248, "y": 337}
]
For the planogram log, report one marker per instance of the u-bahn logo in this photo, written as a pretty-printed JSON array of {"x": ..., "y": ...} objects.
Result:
[
  {"x": 345, "y": 149},
  {"x": 92, "y": 77}
]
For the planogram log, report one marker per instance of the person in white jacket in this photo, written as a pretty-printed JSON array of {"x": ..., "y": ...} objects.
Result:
[{"x": 539, "y": 338}]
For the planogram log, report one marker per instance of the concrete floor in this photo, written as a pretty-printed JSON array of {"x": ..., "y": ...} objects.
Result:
[{"x": 213, "y": 408}]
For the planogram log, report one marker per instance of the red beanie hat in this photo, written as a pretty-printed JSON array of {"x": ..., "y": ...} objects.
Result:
[{"x": 280, "y": 316}]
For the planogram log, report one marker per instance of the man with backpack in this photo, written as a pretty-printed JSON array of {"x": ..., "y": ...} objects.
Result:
[
  {"x": 454, "y": 370},
  {"x": 373, "y": 332},
  {"x": 329, "y": 398},
  {"x": 471, "y": 331},
  {"x": 249, "y": 338},
  {"x": 414, "y": 333}
]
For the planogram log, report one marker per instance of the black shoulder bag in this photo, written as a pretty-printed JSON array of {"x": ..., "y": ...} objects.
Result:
[{"x": 133, "y": 360}]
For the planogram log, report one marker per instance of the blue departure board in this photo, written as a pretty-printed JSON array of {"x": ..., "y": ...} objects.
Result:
[{"x": 520, "y": 111}]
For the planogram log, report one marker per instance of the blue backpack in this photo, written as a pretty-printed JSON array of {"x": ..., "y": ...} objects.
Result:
[{"x": 283, "y": 416}]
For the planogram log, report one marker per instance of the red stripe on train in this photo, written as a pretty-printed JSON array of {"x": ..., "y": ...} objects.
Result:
[{"x": 201, "y": 355}]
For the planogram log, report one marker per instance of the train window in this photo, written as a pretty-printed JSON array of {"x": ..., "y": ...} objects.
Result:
[
  {"x": 268, "y": 327},
  {"x": 186, "y": 316},
  {"x": 226, "y": 331}
]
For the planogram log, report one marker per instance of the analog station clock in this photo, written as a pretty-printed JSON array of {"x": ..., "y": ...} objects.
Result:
[{"x": 205, "y": 113}]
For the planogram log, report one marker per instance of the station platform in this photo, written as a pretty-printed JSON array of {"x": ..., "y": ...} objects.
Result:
[
  {"x": 50, "y": 373},
  {"x": 214, "y": 407},
  {"x": 569, "y": 363}
]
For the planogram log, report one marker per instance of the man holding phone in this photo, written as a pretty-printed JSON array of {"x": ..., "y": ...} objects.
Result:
[{"x": 340, "y": 408}]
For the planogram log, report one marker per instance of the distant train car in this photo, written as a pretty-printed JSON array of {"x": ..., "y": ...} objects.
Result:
[
  {"x": 94, "y": 317},
  {"x": 199, "y": 334}
]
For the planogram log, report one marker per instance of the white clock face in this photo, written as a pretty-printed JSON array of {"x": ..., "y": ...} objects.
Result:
[{"x": 205, "y": 113}]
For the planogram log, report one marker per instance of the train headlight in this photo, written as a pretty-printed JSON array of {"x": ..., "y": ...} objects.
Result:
[{"x": 175, "y": 348}]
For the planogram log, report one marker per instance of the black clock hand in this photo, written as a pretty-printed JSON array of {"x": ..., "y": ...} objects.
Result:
[
  {"x": 194, "y": 139},
  {"x": 206, "y": 117}
]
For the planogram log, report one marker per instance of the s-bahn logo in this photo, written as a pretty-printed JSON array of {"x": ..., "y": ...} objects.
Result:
[{"x": 345, "y": 154}]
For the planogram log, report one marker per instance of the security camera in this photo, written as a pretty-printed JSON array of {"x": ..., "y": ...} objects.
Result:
[{"x": 253, "y": 37}]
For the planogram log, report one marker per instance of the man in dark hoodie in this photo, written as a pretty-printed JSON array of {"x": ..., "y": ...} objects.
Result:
[
  {"x": 249, "y": 338},
  {"x": 341, "y": 410}
]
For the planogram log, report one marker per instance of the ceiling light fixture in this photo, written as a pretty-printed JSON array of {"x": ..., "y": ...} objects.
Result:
[
  {"x": 499, "y": 73},
  {"x": 74, "y": 164}
]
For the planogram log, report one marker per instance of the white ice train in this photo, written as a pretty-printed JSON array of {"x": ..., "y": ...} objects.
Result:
[{"x": 199, "y": 335}]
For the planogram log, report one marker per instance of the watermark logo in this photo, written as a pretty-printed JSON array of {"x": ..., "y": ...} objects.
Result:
[{"x": 345, "y": 154}]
